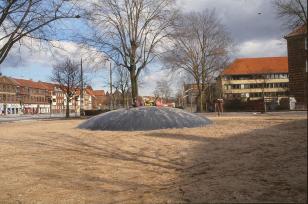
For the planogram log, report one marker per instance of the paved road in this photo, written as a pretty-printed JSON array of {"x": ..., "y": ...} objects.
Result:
[
  {"x": 11, "y": 118},
  {"x": 280, "y": 113}
]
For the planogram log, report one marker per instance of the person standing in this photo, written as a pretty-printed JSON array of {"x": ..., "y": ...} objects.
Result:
[{"x": 219, "y": 106}]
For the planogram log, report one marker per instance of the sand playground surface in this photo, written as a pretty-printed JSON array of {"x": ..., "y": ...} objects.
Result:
[{"x": 238, "y": 158}]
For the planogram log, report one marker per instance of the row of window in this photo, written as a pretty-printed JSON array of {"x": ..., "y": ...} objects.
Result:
[
  {"x": 255, "y": 86},
  {"x": 263, "y": 76},
  {"x": 13, "y": 98},
  {"x": 11, "y": 88},
  {"x": 8, "y": 88},
  {"x": 256, "y": 95}
]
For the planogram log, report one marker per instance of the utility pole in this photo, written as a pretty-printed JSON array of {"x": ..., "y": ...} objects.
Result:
[
  {"x": 81, "y": 89},
  {"x": 110, "y": 82},
  {"x": 306, "y": 73}
]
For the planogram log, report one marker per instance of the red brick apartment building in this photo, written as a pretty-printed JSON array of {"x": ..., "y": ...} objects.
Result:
[
  {"x": 298, "y": 67},
  {"x": 21, "y": 96}
]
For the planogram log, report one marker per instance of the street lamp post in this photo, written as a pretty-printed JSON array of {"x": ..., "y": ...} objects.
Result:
[
  {"x": 110, "y": 84},
  {"x": 81, "y": 89}
]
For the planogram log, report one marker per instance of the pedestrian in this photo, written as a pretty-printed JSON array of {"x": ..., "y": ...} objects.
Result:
[{"x": 219, "y": 106}]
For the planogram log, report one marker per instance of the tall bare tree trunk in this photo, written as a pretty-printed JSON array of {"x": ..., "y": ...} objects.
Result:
[
  {"x": 199, "y": 100},
  {"x": 134, "y": 84},
  {"x": 67, "y": 112}
]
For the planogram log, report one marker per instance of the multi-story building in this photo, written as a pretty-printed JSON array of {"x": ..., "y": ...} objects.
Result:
[
  {"x": 33, "y": 96},
  {"x": 102, "y": 101},
  {"x": 298, "y": 65},
  {"x": 20, "y": 96},
  {"x": 10, "y": 96},
  {"x": 56, "y": 95},
  {"x": 255, "y": 78}
]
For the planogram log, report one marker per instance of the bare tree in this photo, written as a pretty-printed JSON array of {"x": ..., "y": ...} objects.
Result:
[
  {"x": 293, "y": 12},
  {"x": 122, "y": 83},
  {"x": 200, "y": 48},
  {"x": 67, "y": 74},
  {"x": 30, "y": 18},
  {"x": 130, "y": 31},
  {"x": 163, "y": 89}
]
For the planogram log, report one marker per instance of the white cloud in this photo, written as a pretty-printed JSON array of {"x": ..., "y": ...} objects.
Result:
[{"x": 258, "y": 48}]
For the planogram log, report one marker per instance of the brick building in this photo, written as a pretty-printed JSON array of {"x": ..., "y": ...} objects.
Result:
[
  {"x": 297, "y": 46},
  {"x": 21, "y": 96},
  {"x": 101, "y": 100},
  {"x": 10, "y": 102},
  {"x": 33, "y": 96}
]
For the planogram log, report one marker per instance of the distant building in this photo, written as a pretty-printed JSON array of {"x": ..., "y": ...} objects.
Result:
[
  {"x": 102, "y": 101},
  {"x": 190, "y": 96},
  {"x": 56, "y": 95},
  {"x": 255, "y": 78},
  {"x": 22, "y": 96},
  {"x": 10, "y": 100},
  {"x": 298, "y": 66}
]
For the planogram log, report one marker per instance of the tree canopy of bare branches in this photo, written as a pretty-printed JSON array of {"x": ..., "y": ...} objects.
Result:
[
  {"x": 130, "y": 31},
  {"x": 30, "y": 18},
  {"x": 68, "y": 75},
  {"x": 293, "y": 12},
  {"x": 122, "y": 83},
  {"x": 200, "y": 48},
  {"x": 163, "y": 89}
]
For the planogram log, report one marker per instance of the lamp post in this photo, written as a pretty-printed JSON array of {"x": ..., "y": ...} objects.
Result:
[
  {"x": 81, "y": 89},
  {"x": 110, "y": 84}
]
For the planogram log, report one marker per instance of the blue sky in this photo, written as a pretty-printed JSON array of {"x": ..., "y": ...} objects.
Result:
[{"x": 254, "y": 35}]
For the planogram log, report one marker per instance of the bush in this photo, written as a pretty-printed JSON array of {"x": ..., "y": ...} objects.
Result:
[
  {"x": 94, "y": 112},
  {"x": 234, "y": 105}
]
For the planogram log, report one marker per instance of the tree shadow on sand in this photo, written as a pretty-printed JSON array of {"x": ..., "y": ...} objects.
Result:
[{"x": 259, "y": 166}]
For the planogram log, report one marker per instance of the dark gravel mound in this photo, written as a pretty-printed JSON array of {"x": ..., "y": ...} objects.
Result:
[{"x": 144, "y": 118}]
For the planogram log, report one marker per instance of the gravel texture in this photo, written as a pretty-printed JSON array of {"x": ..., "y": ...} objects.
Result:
[{"x": 144, "y": 118}]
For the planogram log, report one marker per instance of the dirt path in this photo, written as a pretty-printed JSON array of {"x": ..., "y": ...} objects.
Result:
[{"x": 237, "y": 159}]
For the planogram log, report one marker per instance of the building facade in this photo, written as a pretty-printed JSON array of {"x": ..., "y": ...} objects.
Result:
[
  {"x": 21, "y": 96},
  {"x": 10, "y": 101},
  {"x": 101, "y": 100},
  {"x": 298, "y": 66},
  {"x": 256, "y": 78}
]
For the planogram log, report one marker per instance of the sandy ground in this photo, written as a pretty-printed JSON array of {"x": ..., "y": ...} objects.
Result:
[{"x": 240, "y": 158}]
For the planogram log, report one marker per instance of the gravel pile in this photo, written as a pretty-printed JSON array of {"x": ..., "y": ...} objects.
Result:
[{"x": 144, "y": 118}]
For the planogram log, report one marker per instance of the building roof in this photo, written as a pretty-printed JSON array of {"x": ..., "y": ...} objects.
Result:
[
  {"x": 301, "y": 30},
  {"x": 89, "y": 91},
  {"x": 48, "y": 86},
  {"x": 99, "y": 92},
  {"x": 247, "y": 66},
  {"x": 8, "y": 80},
  {"x": 29, "y": 83}
]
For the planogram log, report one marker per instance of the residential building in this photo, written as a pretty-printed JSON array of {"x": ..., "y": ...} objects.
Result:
[
  {"x": 101, "y": 100},
  {"x": 190, "y": 96},
  {"x": 88, "y": 98},
  {"x": 10, "y": 101},
  {"x": 21, "y": 96},
  {"x": 255, "y": 78},
  {"x": 298, "y": 65},
  {"x": 56, "y": 96},
  {"x": 33, "y": 96}
]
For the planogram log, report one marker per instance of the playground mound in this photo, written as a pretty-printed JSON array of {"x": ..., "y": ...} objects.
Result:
[{"x": 144, "y": 118}]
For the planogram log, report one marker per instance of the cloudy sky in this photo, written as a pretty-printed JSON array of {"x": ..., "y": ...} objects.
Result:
[{"x": 252, "y": 24}]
